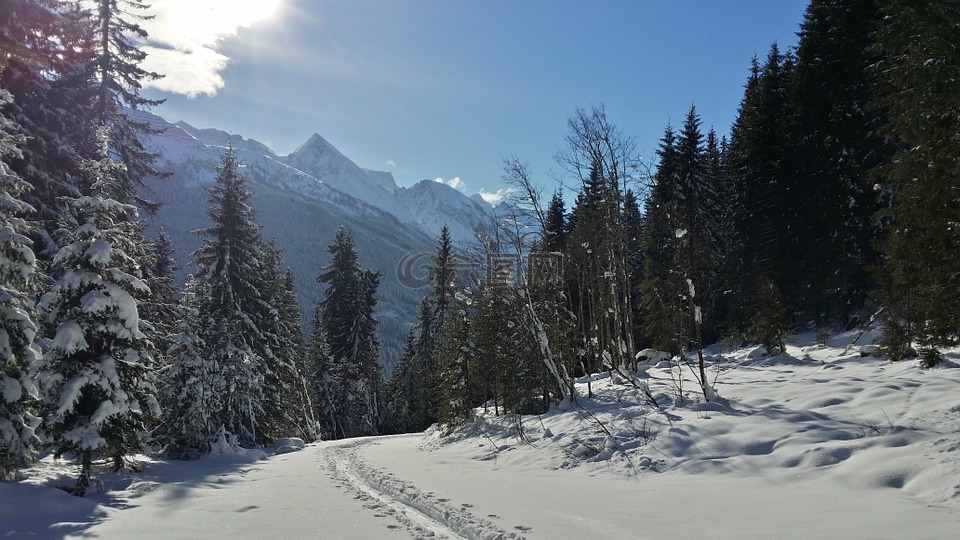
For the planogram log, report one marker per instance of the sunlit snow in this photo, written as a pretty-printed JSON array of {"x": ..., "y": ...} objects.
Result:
[{"x": 818, "y": 442}]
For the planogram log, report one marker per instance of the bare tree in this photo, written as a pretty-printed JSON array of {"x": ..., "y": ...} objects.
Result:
[{"x": 601, "y": 157}]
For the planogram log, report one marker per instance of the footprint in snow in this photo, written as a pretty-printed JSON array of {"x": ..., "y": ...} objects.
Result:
[{"x": 523, "y": 528}]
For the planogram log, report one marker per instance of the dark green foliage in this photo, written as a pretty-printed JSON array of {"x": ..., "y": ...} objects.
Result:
[
  {"x": 115, "y": 77},
  {"x": 427, "y": 379},
  {"x": 837, "y": 144},
  {"x": 759, "y": 167},
  {"x": 661, "y": 287},
  {"x": 346, "y": 353},
  {"x": 917, "y": 86},
  {"x": 557, "y": 235}
]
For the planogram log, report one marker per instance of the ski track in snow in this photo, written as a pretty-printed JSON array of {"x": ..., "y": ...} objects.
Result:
[{"x": 421, "y": 514}]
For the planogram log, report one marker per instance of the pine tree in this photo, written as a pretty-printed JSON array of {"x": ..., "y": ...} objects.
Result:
[
  {"x": 234, "y": 316},
  {"x": 429, "y": 372},
  {"x": 838, "y": 143},
  {"x": 660, "y": 289},
  {"x": 18, "y": 320},
  {"x": 587, "y": 223},
  {"x": 286, "y": 403},
  {"x": 189, "y": 385},
  {"x": 296, "y": 396},
  {"x": 45, "y": 42},
  {"x": 320, "y": 366},
  {"x": 441, "y": 277},
  {"x": 602, "y": 159},
  {"x": 761, "y": 168},
  {"x": 424, "y": 367},
  {"x": 115, "y": 76},
  {"x": 100, "y": 363},
  {"x": 455, "y": 399},
  {"x": 351, "y": 336},
  {"x": 916, "y": 87},
  {"x": 161, "y": 308},
  {"x": 400, "y": 393},
  {"x": 556, "y": 235}
]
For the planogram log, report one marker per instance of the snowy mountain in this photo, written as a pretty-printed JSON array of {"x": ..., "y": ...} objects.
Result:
[{"x": 301, "y": 199}]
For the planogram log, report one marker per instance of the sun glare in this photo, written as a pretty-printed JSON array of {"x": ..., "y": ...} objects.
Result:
[{"x": 207, "y": 20}]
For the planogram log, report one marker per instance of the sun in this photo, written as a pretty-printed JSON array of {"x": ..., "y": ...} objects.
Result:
[{"x": 208, "y": 20}]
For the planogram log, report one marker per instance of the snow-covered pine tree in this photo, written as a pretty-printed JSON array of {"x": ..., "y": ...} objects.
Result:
[
  {"x": 288, "y": 407},
  {"x": 18, "y": 326},
  {"x": 455, "y": 352},
  {"x": 351, "y": 334},
  {"x": 320, "y": 369},
  {"x": 299, "y": 398},
  {"x": 161, "y": 308},
  {"x": 189, "y": 385},
  {"x": 234, "y": 315},
  {"x": 100, "y": 386}
]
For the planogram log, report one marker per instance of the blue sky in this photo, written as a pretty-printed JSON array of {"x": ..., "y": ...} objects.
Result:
[{"x": 430, "y": 89}]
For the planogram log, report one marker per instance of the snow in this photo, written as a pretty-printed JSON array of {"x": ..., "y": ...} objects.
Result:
[
  {"x": 818, "y": 442},
  {"x": 10, "y": 389},
  {"x": 69, "y": 338}
]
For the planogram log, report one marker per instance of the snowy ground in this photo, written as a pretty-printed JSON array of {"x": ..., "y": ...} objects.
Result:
[{"x": 816, "y": 443}]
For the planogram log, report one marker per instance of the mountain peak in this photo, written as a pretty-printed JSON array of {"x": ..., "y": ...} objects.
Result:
[{"x": 316, "y": 146}]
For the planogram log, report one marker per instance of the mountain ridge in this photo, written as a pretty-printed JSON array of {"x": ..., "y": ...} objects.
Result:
[{"x": 301, "y": 199}]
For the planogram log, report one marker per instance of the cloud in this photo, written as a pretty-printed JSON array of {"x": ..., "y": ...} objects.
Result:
[
  {"x": 495, "y": 197},
  {"x": 455, "y": 182},
  {"x": 185, "y": 37},
  {"x": 391, "y": 163}
]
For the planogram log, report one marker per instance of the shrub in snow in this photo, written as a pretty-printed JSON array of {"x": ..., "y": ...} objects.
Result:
[
  {"x": 289, "y": 441},
  {"x": 286, "y": 449},
  {"x": 584, "y": 451},
  {"x": 611, "y": 443}
]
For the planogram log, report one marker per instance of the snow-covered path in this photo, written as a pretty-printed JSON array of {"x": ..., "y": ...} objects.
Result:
[
  {"x": 329, "y": 490},
  {"x": 400, "y": 487},
  {"x": 298, "y": 495}
]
